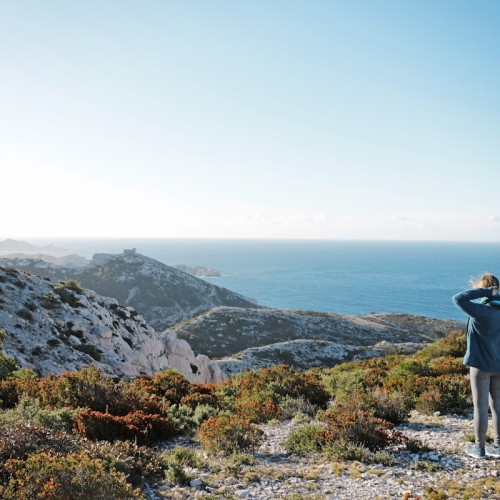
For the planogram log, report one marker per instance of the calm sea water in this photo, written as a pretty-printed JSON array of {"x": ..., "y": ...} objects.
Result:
[{"x": 346, "y": 277}]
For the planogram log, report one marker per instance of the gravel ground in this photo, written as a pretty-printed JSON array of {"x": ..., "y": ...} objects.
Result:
[{"x": 278, "y": 474}]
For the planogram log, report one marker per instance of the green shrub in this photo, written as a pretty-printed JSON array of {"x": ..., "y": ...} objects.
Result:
[
  {"x": 7, "y": 366},
  {"x": 291, "y": 407},
  {"x": 187, "y": 419},
  {"x": 138, "y": 463},
  {"x": 228, "y": 434},
  {"x": 66, "y": 291},
  {"x": 54, "y": 478},
  {"x": 305, "y": 439},
  {"x": 185, "y": 457},
  {"x": 25, "y": 314},
  {"x": 446, "y": 394},
  {"x": 426, "y": 466},
  {"x": 29, "y": 410},
  {"x": 91, "y": 350},
  {"x": 346, "y": 450}
]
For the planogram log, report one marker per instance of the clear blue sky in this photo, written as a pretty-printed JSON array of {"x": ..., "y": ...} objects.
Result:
[{"x": 263, "y": 118}]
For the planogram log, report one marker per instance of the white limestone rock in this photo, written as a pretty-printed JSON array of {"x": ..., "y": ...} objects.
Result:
[{"x": 51, "y": 333}]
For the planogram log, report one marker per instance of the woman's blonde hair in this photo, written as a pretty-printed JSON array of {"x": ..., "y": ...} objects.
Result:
[{"x": 486, "y": 280}]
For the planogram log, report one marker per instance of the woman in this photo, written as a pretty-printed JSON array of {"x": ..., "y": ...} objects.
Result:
[{"x": 483, "y": 359}]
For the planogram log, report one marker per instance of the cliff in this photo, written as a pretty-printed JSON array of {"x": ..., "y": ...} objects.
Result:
[{"x": 52, "y": 327}]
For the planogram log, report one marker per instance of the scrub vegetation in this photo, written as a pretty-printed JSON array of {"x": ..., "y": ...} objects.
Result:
[{"x": 81, "y": 433}]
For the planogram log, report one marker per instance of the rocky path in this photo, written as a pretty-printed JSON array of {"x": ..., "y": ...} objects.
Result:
[{"x": 278, "y": 474}]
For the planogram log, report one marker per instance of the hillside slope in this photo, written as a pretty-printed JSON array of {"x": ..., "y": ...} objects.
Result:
[
  {"x": 56, "y": 327},
  {"x": 253, "y": 338},
  {"x": 162, "y": 294}
]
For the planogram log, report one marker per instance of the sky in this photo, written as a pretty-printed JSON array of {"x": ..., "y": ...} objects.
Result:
[{"x": 324, "y": 119}]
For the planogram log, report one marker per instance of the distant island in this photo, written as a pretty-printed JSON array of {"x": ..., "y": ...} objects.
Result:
[
  {"x": 10, "y": 245},
  {"x": 200, "y": 271}
]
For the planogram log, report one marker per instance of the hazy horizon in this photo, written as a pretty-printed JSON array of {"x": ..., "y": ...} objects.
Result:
[{"x": 331, "y": 120}]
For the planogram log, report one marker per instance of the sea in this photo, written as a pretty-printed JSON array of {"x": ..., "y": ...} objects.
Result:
[{"x": 344, "y": 277}]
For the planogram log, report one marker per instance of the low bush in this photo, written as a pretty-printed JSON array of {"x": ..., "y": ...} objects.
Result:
[
  {"x": 305, "y": 439},
  {"x": 186, "y": 419},
  {"x": 137, "y": 426},
  {"x": 258, "y": 395},
  {"x": 229, "y": 434},
  {"x": 54, "y": 478},
  {"x": 138, "y": 463},
  {"x": 85, "y": 388},
  {"x": 66, "y": 291},
  {"x": 291, "y": 407},
  {"x": 28, "y": 410},
  {"x": 347, "y": 422},
  {"x": 346, "y": 450},
  {"x": 446, "y": 394},
  {"x": 91, "y": 350},
  {"x": 169, "y": 386},
  {"x": 25, "y": 314},
  {"x": 26, "y": 439}
]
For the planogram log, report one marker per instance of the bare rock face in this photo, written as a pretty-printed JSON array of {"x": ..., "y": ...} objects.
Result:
[{"x": 53, "y": 327}]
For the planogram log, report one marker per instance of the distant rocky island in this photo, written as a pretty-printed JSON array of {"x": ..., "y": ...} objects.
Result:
[
  {"x": 10, "y": 245},
  {"x": 200, "y": 271}
]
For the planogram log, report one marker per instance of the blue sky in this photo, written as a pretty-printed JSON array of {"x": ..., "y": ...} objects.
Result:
[{"x": 269, "y": 119}]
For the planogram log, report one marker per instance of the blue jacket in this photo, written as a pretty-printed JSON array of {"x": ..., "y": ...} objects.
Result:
[{"x": 483, "y": 329}]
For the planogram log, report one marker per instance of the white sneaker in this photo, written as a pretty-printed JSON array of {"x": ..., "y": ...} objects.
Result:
[
  {"x": 475, "y": 451},
  {"x": 493, "y": 451}
]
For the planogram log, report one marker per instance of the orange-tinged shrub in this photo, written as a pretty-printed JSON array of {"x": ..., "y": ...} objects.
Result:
[
  {"x": 200, "y": 394},
  {"x": 137, "y": 426},
  {"x": 168, "y": 385},
  {"x": 256, "y": 410},
  {"x": 348, "y": 423},
  {"x": 228, "y": 434},
  {"x": 267, "y": 388},
  {"x": 448, "y": 365},
  {"x": 446, "y": 394},
  {"x": 85, "y": 388}
]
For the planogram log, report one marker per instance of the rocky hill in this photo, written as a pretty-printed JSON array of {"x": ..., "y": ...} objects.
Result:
[
  {"x": 253, "y": 338},
  {"x": 52, "y": 327},
  {"x": 162, "y": 294}
]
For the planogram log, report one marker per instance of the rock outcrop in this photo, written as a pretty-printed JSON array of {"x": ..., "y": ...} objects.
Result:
[
  {"x": 52, "y": 327},
  {"x": 162, "y": 294}
]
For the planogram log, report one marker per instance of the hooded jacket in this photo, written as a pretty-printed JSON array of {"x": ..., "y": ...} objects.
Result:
[{"x": 483, "y": 328}]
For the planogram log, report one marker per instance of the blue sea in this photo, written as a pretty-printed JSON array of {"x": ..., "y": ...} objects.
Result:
[{"x": 345, "y": 277}]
